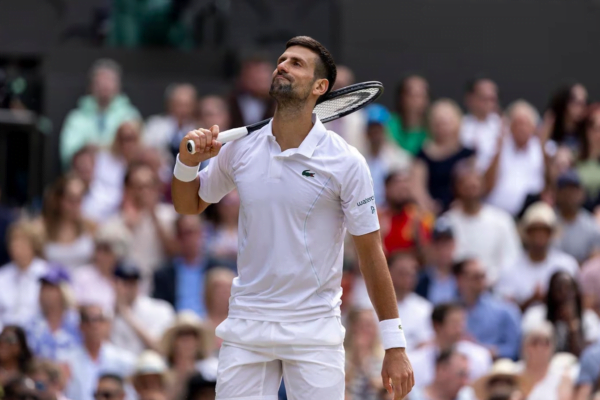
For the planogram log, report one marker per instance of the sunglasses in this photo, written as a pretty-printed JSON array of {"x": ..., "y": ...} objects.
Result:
[{"x": 106, "y": 394}]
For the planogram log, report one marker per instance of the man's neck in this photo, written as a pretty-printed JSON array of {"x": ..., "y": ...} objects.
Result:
[
  {"x": 291, "y": 125},
  {"x": 537, "y": 255},
  {"x": 471, "y": 207},
  {"x": 568, "y": 215},
  {"x": 470, "y": 299},
  {"x": 93, "y": 349},
  {"x": 24, "y": 265}
]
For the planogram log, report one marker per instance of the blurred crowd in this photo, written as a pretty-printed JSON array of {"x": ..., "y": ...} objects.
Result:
[{"x": 490, "y": 219}]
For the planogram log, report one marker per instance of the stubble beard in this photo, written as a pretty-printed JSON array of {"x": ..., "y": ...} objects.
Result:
[{"x": 286, "y": 96}]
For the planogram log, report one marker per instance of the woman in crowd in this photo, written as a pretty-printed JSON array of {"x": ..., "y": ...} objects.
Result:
[
  {"x": 15, "y": 356},
  {"x": 574, "y": 327},
  {"x": 434, "y": 164},
  {"x": 567, "y": 108},
  {"x": 222, "y": 231},
  {"x": 69, "y": 236},
  {"x": 407, "y": 124},
  {"x": 588, "y": 164}
]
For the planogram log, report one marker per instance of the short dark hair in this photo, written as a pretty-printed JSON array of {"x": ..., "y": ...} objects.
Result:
[
  {"x": 399, "y": 255},
  {"x": 459, "y": 267},
  {"x": 441, "y": 311},
  {"x": 445, "y": 356},
  {"x": 471, "y": 84},
  {"x": 113, "y": 377},
  {"x": 325, "y": 68}
]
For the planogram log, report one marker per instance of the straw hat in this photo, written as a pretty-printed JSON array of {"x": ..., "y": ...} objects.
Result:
[
  {"x": 150, "y": 363},
  {"x": 187, "y": 321},
  {"x": 503, "y": 367}
]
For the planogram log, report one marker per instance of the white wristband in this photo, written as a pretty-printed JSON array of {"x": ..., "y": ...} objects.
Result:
[
  {"x": 185, "y": 173},
  {"x": 392, "y": 334}
]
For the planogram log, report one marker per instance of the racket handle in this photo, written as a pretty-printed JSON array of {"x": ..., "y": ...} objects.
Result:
[{"x": 224, "y": 137}]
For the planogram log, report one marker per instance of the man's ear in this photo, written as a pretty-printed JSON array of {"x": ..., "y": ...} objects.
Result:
[{"x": 320, "y": 87}]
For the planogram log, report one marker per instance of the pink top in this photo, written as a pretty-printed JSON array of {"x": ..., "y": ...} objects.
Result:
[{"x": 91, "y": 287}]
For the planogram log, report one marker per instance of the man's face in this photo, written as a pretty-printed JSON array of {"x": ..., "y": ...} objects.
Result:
[
  {"x": 255, "y": 78},
  {"x": 213, "y": 110},
  {"x": 128, "y": 140},
  {"x": 404, "y": 273},
  {"x": 182, "y": 103},
  {"x": 398, "y": 191},
  {"x": 472, "y": 280},
  {"x": 469, "y": 186},
  {"x": 484, "y": 99},
  {"x": 570, "y": 198},
  {"x": 538, "y": 236},
  {"x": 148, "y": 383},
  {"x": 521, "y": 127},
  {"x": 105, "y": 85},
  {"x": 50, "y": 297},
  {"x": 127, "y": 289},
  {"x": 109, "y": 389},
  {"x": 94, "y": 324},
  {"x": 189, "y": 234},
  {"x": 453, "y": 327},
  {"x": 144, "y": 186},
  {"x": 443, "y": 251},
  {"x": 376, "y": 135},
  {"x": 454, "y": 375}
]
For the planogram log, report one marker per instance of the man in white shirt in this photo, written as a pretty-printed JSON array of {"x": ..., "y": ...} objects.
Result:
[
  {"x": 481, "y": 126},
  {"x": 481, "y": 231},
  {"x": 526, "y": 280},
  {"x": 300, "y": 186}
]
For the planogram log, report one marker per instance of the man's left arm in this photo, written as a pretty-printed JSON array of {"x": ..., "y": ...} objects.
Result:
[{"x": 373, "y": 265}]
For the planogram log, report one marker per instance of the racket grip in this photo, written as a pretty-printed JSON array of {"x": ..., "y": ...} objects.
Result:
[{"x": 224, "y": 137}]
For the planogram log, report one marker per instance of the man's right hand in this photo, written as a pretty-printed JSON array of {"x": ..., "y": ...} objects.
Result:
[{"x": 206, "y": 143}]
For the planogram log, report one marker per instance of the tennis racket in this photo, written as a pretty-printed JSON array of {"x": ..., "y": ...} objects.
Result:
[{"x": 333, "y": 105}]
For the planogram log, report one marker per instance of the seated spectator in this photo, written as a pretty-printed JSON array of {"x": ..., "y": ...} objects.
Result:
[
  {"x": 55, "y": 331},
  {"x": 150, "y": 222},
  {"x": 19, "y": 279},
  {"x": 437, "y": 158},
  {"x": 69, "y": 236},
  {"x": 93, "y": 284},
  {"x": 589, "y": 280},
  {"x": 50, "y": 377},
  {"x": 7, "y": 217},
  {"x": 15, "y": 356},
  {"x": 449, "y": 326},
  {"x": 567, "y": 108},
  {"x": 199, "y": 388},
  {"x": 217, "y": 291},
  {"x": 578, "y": 231},
  {"x": 517, "y": 171},
  {"x": 491, "y": 322},
  {"x": 481, "y": 231},
  {"x": 436, "y": 281},
  {"x": 213, "y": 110},
  {"x": 588, "y": 161},
  {"x": 150, "y": 378},
  {"x": 411, "y": 306},
  {"x": 526, "y": 280},
  {"x": 541, "y": 378},
  {"x": 222, "y": 230},
  {"x": 407, "y": 126},
  {"x": 588, "y": 381},
  {"x": 482, "y": 125},
  {"x": 105, "y": 193},
  {"x": 383, "y": 156},
  {"x": 364, "y": 355},
  {"x": 451, "y": 379},
  {"x": 96, "y": 355},
  {"x": 181, "y": 281},
  {"x": 250, "y": 101},
  {"x": 186, "y": 346},
  {"x": 22, "y": 387},
  {"x": 574, "y": 327},
  {"x": 140, "y": 321},
  {"x": 110, "y": 387},
  {"x": 405, "y": 226},
  {"x": 165, "y": 132},
  {"x": 502, "y": 380},
  {"x": 99, "y": 114}
]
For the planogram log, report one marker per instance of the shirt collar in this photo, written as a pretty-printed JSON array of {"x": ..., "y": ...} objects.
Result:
[{"x": 310, "y": 142}]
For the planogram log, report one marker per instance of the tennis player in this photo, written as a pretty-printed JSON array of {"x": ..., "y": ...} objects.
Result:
[{"x": 300, "y": 188}]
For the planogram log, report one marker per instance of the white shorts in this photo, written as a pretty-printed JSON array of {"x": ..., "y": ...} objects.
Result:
[{"x": 255, "y": 355}]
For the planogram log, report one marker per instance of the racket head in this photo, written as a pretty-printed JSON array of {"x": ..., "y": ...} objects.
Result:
[{"x": 347, "y": 100}]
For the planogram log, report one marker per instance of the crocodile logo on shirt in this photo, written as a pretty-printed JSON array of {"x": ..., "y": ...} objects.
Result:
[
  {"x": 308, "y": 173},
  {"x": 400, "y": 326}
]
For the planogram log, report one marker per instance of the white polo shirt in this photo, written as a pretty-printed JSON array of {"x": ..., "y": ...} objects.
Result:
[{"x": 295, "y": 206}]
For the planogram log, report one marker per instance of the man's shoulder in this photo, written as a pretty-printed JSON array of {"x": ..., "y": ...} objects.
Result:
[
  {"x": 558, "y": 258},
  {"x": 419, "y": 304}
]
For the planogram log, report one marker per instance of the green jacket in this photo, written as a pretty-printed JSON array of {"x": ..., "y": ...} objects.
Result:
[
  {"x": 411, "y": 141},
  {"x": 86, "y": 125}
]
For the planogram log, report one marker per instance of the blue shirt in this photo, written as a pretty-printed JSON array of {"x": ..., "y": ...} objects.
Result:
[
  {"x": 589, "y": 373},
  {"x": 190, "y": 286},
  {"x": 53, "y": 345},
  {"x": 494, "y": 322},
  {"x": 440, "y": 290}
]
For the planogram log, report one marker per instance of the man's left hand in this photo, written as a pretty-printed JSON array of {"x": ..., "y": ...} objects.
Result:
[{"x": 397, "y": 369}]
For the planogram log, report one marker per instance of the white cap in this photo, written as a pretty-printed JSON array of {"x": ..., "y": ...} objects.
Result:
[{"x": 539, "y": 213}]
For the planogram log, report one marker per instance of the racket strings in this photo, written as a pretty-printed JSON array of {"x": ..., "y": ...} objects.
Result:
[{"x": 345, "y": 103}]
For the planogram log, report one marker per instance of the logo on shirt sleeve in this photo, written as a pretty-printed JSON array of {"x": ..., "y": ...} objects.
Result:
[{"x": 365, "y": 201}]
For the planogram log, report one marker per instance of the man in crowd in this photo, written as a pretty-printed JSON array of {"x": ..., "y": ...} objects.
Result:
[
  {"x": 451, "y": 379},
  {"x": 110, "y": 387},
  {"x": 492, "y": 323},
  {"x": 526, "y": 280},
  {"x": 481, "y": 126},
  {"x": 588, "y": 381},
  {"x": 578, "y": 230},
  {"x": 481, "y": 230},
  {"x": 140, "y": 320},
  {"x": 449, "y": 327},
  {"x": 150, "y": 376},
  {"x": 99, "y": 114},
  {"x": 213, "y": 110}
]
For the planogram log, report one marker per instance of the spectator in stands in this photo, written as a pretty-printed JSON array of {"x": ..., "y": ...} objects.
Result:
[
  {"x": 589, "y": 280},
  {"x": 217, "y": 292},
  {"x": 437, "y": 158},
  {"x": 517, "y": 172},
  {"x": 383, "y": 156},
  {"x": 526, "y": 280},
  {"x": 578, "y": 230},
  {"x": 436, "y": 281},
  {"x": 19, "y": 279},
  {"x": 542, "y": 378},
  {"x": 48, "y": 375},
  {"x": 140, "y": 321},
  {"x": 96, "y": 355},
  {"x": 364, "y": 357},
  {"x": 7, "y": 217},
  {"x": 407, "y": 125},
  {"x": 110, "y": 387},
  {"x": 491, "y": 322},
  {"x": 199, "y": 388},
  {"x": 22, "y": 387},
  {"x": 411, "y": 306},
  {"x": 99, "y": 114},
  {"x": 588, "y": 162},
  {"x": 15, "y": 356},
  {"x": 451, "y": 379},
  {"x": 588, "y": 381},
  {"x": 150, "y": 376},
  {"x": 150, "y": 222},
  {"x": 105, "y": 193},
  {"x": 482, "y": 231},
  {"x": 449, "y": 326},
  {"x": 213, "y": 110},
  {"x": 250, "y": 101},
  {"x": 574, "y": 327},
  {"x": 482, "y": 125},
  {"x": 186, "y": 345},
  {"x": 93, "y": 284},
  {"x": 166, "y": 131},
  {"x": 405, "y": 226},
  {"x": 222, "y": 231},
  {"x": 69, "y": 236},
  {"x": 567, "y": 107},
  {"x": 55, "y": 331},
  {"x": 501, "y": 381}
]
